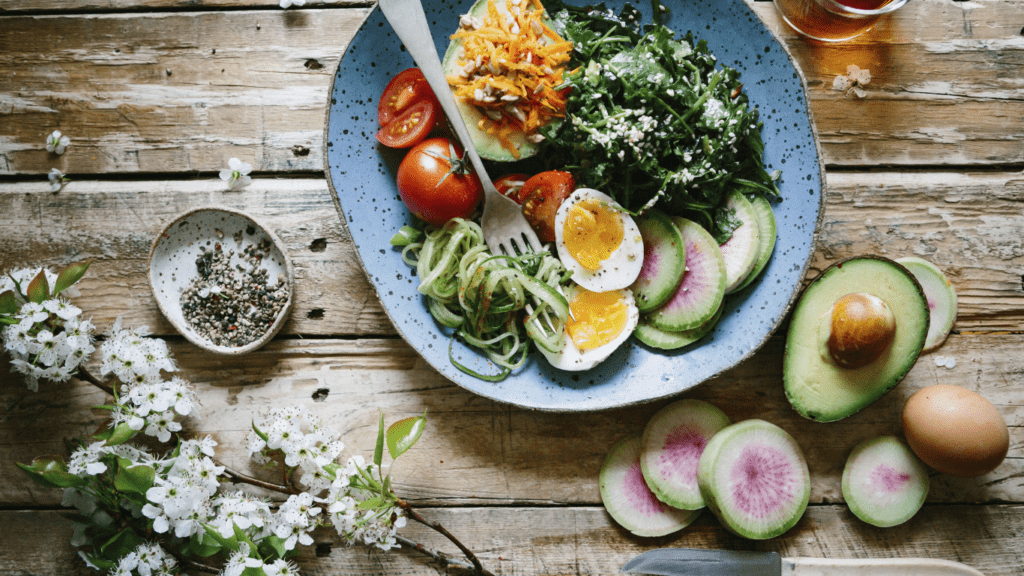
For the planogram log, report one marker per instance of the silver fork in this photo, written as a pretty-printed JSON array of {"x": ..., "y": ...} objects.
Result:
[{"x": 505, "y": 228}]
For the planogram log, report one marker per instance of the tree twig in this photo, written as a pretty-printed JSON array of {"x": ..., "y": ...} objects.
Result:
[
  {"x": 478, "y": 568},
  {"x": 444, "y": 559},
  {"x": 88, "y": 377},
  {"x": 237, "y": 476}
]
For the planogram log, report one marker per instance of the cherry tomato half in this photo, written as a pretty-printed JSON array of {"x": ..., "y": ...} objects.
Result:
[
  {"x": 405, "y": 89},
  {"x": 411, "y": 127},
  {"x": 542, "y": 195},
  {"x": 511, "y": 185},
  {"x": 437, "y": 185}
]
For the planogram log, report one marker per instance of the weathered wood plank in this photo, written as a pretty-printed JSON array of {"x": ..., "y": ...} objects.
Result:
[
  {"x": 968, "y": 224},
  {"x": 16, "y": 6},
  {"x": 477, "y": 451},
  {"x": 584, "y": 540},
  {"x": 169, "y": 92},
  {"x": 254, "y": 84}
]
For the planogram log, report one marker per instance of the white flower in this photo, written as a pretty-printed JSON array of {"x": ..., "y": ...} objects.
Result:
[
  {"x": 237, "y": 173},
  {"x": 288, "y": 3},
  {"x": 856, "y": 74},
  {"x": 161, "y": 426},
  {"x": 34, "y": 312},
  {"x": 281, "y": 567},
  {"x": 57, "y": 143},
  {"x": 240, "y": 560},
  {"x": 841, "y": 83},
  {"x": 57, "y": 179}
]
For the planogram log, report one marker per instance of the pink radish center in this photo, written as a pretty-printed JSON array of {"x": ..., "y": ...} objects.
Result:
[
  {"x": 638, "y": 494},
  {"x": 650, "y": 266},
  {"x": 763, "y": 480},
  {"x": 889, "y": 478},
  {"x": 681, "y": 453}
]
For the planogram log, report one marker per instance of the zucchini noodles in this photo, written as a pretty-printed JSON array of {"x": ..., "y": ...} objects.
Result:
[{"x": 484, "y": 297}]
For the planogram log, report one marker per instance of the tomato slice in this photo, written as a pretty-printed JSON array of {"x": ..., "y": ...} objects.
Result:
[
  {"x": 411, "y": 127},
  {"x": 405, "y": 89},
  {"x": 511, "y": 185}
]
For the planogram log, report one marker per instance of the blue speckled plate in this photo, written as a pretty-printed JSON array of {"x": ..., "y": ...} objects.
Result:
[{"x": 362, "y": 175}]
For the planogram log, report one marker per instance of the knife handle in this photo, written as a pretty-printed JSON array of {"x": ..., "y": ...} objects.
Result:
[{"x": 875, "y": 567}]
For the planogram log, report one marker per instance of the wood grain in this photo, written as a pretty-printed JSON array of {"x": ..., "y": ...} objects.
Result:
[
  {"x": 479, "y": 452},
  {"x": 253, "y": 84},
  {"x": 584, "y": 540},
  {"x": 16, "y": 6},
  {"x": 968, "y": 224}
]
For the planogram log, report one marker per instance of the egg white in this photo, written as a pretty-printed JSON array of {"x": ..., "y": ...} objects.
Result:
[
  {"x": 572, "y": 359},
  {"x": 621, "y": 268}
]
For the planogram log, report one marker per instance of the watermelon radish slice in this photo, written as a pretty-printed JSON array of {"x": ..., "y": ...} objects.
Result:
[
  {"x": 884, "y": 483},
  {"x": 664, "y": 340},
  {"x": 629, "y": 501},
  {"x": 768, "y": 229},
  {"x": 664, "y": 261},
  {"x": 754, "y": 477},
  {"x": 941, "y": 299},
  {"x": 740, "y": 252},
  {"x": 672, "y": 444},
  {"x": 703, "y": 286}
]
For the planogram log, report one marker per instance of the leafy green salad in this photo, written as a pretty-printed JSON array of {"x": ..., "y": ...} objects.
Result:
[{"x": 651, "y": 120}]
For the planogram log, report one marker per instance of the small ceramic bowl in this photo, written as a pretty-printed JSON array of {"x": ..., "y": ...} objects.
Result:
[{"x": 172, "y": 265}]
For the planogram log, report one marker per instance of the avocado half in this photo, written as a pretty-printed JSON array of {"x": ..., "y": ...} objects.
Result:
[
  {"x": 487, "y": 146},
  {"x": 816, "y": 385}
]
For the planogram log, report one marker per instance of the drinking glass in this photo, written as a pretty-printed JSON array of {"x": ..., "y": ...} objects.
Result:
[{"x": 834, "y": 20}]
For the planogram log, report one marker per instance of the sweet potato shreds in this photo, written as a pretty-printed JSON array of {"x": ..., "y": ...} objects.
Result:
[{"x": 509, "y": 69}]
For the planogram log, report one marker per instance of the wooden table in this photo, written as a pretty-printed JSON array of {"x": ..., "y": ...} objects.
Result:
[{"x": 156, "y": 95}]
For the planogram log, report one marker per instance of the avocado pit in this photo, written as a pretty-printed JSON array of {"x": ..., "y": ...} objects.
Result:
[{"x": 861, "y": 328}]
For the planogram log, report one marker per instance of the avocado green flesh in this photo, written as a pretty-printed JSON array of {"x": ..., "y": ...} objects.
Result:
[
  {"x": 819, "y": 389},
  {"x": 487, "y": 145}
]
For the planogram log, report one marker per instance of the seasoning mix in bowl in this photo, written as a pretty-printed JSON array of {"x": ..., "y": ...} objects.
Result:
[{"x": 221, "y": 279}]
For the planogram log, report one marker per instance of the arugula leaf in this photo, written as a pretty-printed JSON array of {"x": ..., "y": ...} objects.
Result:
[{"x": 654, "y": 119}]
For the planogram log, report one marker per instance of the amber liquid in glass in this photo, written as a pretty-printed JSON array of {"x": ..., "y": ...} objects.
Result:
[{"x": 814, "y": 20}]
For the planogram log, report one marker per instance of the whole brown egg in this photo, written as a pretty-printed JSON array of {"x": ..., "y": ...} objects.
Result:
[{"x": 955, "y": 431}]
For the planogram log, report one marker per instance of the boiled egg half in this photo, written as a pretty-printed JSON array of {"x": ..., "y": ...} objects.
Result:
[
  {"x": 597, "y": 241},
  {"x": 599, "y": 322}
]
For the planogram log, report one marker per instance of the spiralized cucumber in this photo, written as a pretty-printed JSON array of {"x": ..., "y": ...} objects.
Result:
[{"x": 481, "y": 296}]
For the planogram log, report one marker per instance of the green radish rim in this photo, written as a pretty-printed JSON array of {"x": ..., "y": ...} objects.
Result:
[
  {"x": 663, "y": 247},
  {"x": 627, "y": 498},
  {"x": 741, "y": 250},
  {"x": 703, "y": 286},
  {"x": 769, "y": 230},
  {"x": 665, "y": 340},
  {"x": 673, "y": 441},
  {"x": 941, "y": 297},
  {"x": 884, "y": 482},
  {"x": 737, "y": 455}
]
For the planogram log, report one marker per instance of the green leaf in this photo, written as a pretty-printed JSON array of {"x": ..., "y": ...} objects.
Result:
[
  {"x": 378, "y": 451},
  {"x": 68, "y": 276},
  {"x": 8, "y": 321},
  {"x": 36, "y": 476},
  {"x": 259, "y": 432},
  {"x": 50, "y": 471},
  {"x": 102, "y": 564},
  {"x": 38, "y": 288},
  {"x": 121, "y": 434},
  {"x": 206, "y": 547},
  {"x": 253, "y": 572},
  {"x": 229, "y": 543},
  {"x": 241, "y": 536},
  {"x": 386, "y": 488},
  {"x": 135, "y": 479},
  {"x": 276, "y": 544},
  {"x": 404, "y": 433},
  {"x": 372, "y": 503},
  {"x": 76, "y": 518},
  {"x": 121, "y": 544},
  {"x": 8, "y": 302}
]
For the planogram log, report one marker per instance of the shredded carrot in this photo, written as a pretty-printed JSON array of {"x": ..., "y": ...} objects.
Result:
[{"x": 510, "y": 67}]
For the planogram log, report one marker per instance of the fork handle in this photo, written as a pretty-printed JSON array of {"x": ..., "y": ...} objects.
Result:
[{"x": 410, "y": 23}]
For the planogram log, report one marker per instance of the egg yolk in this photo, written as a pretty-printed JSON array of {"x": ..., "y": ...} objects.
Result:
[
  {"x": 597, "y": 318},
  {"x": 592, "y": 232}
]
